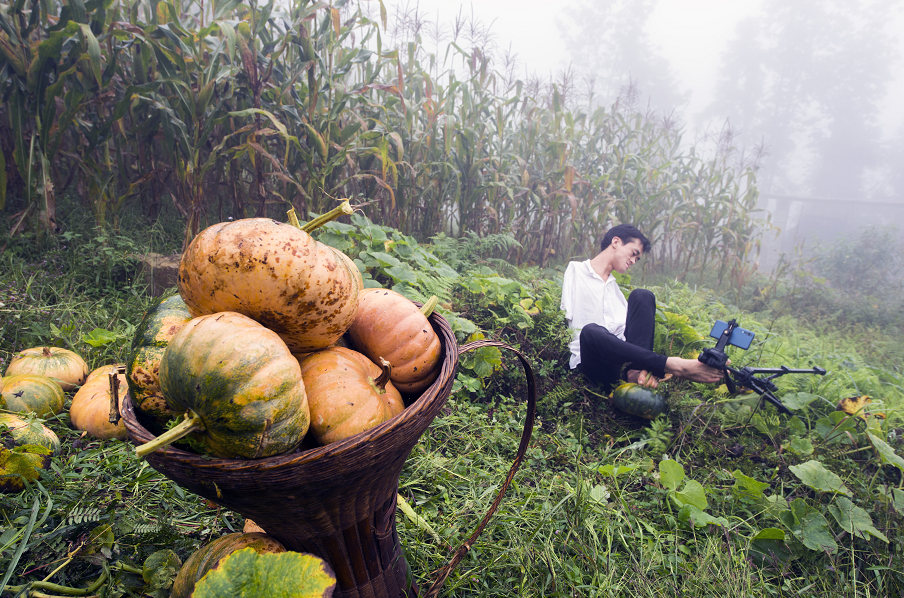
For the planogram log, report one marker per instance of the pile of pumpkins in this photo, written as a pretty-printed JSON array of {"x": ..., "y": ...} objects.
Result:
[
  {"x": 36, "y": 382},
  {"x": 274, "y": 345}
]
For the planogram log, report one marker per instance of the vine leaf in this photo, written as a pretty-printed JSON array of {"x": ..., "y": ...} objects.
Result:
[
  {"x": 815, "y": 475},
  {"x": 886, "y": 453},
  {"x": 809, "y": 526},
  {"x": 247, "y": 574},
  {"x": 854, "y": 520}
]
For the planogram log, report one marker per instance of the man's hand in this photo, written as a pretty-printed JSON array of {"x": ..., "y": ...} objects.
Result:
[
  {"x": 642, "y": 377},
  {"x": 691, "y": 369}
]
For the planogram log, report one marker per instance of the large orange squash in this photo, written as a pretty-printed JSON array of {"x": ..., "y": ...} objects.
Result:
[
  {"x": 347, "y": 393},
  {"x": 390, "y": 326},
  {"x": 275, "y": 273},
  {"x": 63, "y": 366},
  {"x": 90, "y": 410}
]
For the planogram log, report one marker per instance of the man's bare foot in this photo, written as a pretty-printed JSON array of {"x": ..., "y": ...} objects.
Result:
[{"x": 691, "y": 369}]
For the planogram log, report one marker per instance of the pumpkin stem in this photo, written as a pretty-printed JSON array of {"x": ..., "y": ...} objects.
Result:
[
  {"x": 343, "y": 209},
  {"x": 46, "y": 352},
  {"x": 192, "y": 423},
  {"x": 381, "y": 381},
  {"x": 428, "y": 307}
]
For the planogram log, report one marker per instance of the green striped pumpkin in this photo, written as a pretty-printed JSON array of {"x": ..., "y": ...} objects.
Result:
[
  {"x": 63, "y": 366},
  {"x": 23, "y": 432},
  {"x": 241, "y": 380},
  {"x": 161, "y": 322},
  {"x": 30, "y": 392},
  {"x": 638, "y": 400}
]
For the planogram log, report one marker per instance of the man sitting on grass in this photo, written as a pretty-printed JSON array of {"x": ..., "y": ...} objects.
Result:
[{"x": 612, "y": 333}]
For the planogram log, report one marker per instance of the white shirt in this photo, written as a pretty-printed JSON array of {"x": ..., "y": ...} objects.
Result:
[{"x": 588, "y": 299}]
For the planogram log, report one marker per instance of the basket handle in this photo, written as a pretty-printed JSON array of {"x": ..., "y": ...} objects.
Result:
[{"x": 522, "y": 449}]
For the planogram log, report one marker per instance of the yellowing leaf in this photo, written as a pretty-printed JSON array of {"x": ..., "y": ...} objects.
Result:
[
  {"x": 855, "y": 405},
  {"x": 247, "y": 574}
]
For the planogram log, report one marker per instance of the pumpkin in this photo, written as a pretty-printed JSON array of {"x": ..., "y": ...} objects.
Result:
[
  {"x": 24, "y": 432},
  {"x": 160, "y": 323},
  {"x": 209, "y": 556},
  {"x": 30, "y": 392},
  {"x": 638, "y": 400},
  {"x": 239, "y": 384},
  {"x": 347, "y": 393},
  {"x": 90, "y": 410},
  {"x": 21, "y": 463},
  {"x": 276, "y": 274},
  {"x": 390, "y": 326},
  {"x": 63, "y": 366}
]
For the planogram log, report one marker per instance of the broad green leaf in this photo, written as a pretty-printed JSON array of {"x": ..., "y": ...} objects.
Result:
[
  {"x": 798, "y": 400},
  {"x": 815, "y": 475},
  {"x": 768, "y": 546},
  {"x": 615, "y": 470},
  {"x": 160, "y": 569},
  {"x": 694, "y": 517},
  {"x": 693, "y": 494},
  {"x": 247, "y": 574},
  {"x": 898, "y": 500},
  {"x": 800, "y": 446},
  {"x": 402, "y": 273},
  {"x": 886, "y": 453},
  {"x": 599, "y": 494},
  {"x": 671, "y": 474},
  {"x": 853, "y": 519},
  {"x": 835, "y": 424},
  {"x": 748, "y": 488},
  {"x": 810, "y": 527},
  {"x": 99, "y": 337}
]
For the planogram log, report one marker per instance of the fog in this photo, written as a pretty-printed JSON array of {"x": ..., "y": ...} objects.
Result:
[{"x": 811, "y": 90}]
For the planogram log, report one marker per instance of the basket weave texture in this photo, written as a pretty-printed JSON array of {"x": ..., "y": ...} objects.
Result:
[{"x": 337, "y": 501}]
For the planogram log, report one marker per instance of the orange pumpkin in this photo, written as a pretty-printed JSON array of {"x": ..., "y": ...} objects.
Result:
[
  {"x": 90, "y": 410},
  {"x": 347, "y": 393},
  {"x": 390, "y": 326},
  {"x": 63, "y": 366},
  {"x": 275, "y": 274}
]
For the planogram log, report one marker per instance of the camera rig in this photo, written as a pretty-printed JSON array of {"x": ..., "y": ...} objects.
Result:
[{"x": 716, "y": 357}]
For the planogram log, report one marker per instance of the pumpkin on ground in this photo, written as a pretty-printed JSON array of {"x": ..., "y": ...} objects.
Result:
[
  {"x": 638, "y": 400},
  {"x": 90, "y": 410},
  {"x": 63, "y": 366},
  {"x": 390, "y": 326},
  {"x": 239, "y": 384},
  {"x": 30, "y": 392},
  {"x": 161, "y": 322},
  {"x": 274, "y": 273},
  {"x": 28, "y": 432},
  {"x": 208, "y": 557},
  {"x": 348, "y": 393}
]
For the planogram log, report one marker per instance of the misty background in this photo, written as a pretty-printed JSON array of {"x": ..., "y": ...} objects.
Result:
[{"x": 807, "y": 91}]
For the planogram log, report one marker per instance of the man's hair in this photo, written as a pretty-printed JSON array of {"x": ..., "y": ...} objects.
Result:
[{"x": 626, "y": 233}]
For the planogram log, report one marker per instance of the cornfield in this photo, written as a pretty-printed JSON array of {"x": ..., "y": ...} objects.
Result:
[{"x": 233, "y": 109}]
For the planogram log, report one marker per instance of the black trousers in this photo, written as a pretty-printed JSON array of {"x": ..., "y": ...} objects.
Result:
[{"x": 604, "y": 355}]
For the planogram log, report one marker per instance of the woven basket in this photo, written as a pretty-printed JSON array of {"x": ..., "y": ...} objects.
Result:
[{"x": 338, "y": 501}]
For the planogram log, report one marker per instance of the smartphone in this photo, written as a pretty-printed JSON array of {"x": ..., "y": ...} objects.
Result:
[{"x": 740, "y": 337}]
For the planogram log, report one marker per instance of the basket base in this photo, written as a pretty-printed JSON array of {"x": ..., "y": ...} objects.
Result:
[{"x": 366, "y": 557}]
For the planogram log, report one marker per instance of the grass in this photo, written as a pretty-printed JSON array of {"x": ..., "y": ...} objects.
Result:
[{"x": 567, "y": 526}]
